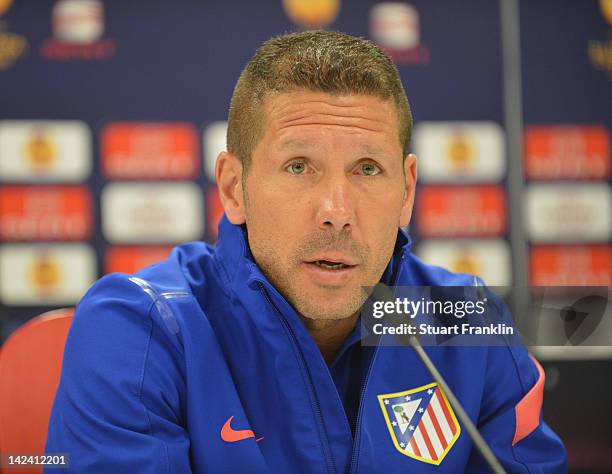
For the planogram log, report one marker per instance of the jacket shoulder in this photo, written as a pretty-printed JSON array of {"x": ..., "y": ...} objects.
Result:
[
  {"x": 186, "y": 266},
  {"x": 145, "y": 298},
  {"x": 122, "y": 381}
]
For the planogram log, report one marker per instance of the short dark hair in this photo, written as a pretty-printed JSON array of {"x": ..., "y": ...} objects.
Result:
[{"x": 326, "y": 61}]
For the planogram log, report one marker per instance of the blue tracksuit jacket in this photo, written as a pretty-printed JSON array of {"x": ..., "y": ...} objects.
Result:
[{"x": 198, "y": 364}]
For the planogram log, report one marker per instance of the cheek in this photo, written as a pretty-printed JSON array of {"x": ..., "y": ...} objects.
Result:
[
  {"x": 382, "y": 224},
  {"x": 277, "y": 219},
  {"x": 382, "y": 210},
  {"x": 386, "y": 238},
  {"x": 262, "y": 206},
  {"x": 271, "y": 224},
  {"x": 278, "y": 209}
]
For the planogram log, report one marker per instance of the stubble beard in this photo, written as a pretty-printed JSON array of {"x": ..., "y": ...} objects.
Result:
[
  {"x": 282, "y": 275},
  {"x": 316, "y": 314}
]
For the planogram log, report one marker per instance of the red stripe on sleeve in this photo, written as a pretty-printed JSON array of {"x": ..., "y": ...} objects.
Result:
[{"x": 528, "y": 410}]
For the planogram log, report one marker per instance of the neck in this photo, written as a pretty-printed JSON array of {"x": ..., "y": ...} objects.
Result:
[{"x": 329, "y": 334}]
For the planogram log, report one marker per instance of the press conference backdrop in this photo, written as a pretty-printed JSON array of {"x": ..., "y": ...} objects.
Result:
[{"x": 112, "y": 115}]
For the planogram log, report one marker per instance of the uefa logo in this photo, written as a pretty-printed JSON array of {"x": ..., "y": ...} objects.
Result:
[{"x": 312, "y": 14}]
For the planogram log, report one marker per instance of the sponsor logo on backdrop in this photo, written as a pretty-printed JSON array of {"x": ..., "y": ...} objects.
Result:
[
  {"x": 44, "y": 151},
  {"x": 152, "y": 212},
  {"x": 569, "y": 212},
  {"x": 570, "y": 265},
  {"x": 215, "y": 211},
  {"x": 4, "y": 5},
  {"x": 395, "y": 27},
  {"x": 214, "y": 141},
  {"x": 149, "y": 151},
  {"x": 567, "y": 152},
  {"x": 312, "y": 14},
  {"x": 12, "y": 46},
  {"x": 40, "y": 151},
  {"x": 78, "y": 29},
  {"x": 41, "y": 274},
  {"x": 45, "y": 273},
  {"x": 133, "y": 258},
  {"x": 45, "y": 213},
  {"x": 460, "y": 151},
  {"x": 486, "y": 258},
  {"x": 600, "y": 51},
  {"x": 606, "y": 9},
  {"x": 466, "y": 211}
]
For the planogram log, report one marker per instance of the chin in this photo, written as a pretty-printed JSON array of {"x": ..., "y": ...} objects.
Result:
[
  {"x": 323, "y": 310},
  {"x": 329, "y": 316}
]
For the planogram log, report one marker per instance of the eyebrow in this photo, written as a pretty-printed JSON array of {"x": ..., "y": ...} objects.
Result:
[{"x": 368, "y": 150}]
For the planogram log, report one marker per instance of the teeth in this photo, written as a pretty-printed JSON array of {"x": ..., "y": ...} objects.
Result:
[{"x": 329, "y": 265}]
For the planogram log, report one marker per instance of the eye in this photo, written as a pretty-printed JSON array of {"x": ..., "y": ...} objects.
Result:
[
  {"x": 297, "y": 167},
  {"x": 369, "y": 169}
]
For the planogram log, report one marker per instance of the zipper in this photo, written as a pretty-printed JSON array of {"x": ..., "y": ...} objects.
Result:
[
  {"x": 314, "y": 401},
  {"x": 357, "y": 441},
  {"x": 364, "y": 385}
]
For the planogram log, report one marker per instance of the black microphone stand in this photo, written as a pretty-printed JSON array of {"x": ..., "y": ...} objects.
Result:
[
  {"x": 384, "y": 293},
  {"x": 477, "y": 438}
]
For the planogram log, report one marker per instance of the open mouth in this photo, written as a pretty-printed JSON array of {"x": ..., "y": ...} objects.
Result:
[
  {"x": 331, "y": 270},
  {"x": 330, "y": 265}
]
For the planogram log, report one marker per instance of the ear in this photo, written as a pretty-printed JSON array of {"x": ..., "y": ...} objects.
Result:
[
  {"x": 228, "y": 172},
  {"x": 410, "y": 173}
]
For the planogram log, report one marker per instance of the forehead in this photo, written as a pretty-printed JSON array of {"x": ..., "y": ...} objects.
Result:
[{"x": 290, "y": 117}]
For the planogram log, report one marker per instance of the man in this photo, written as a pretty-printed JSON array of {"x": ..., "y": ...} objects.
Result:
[{"x": 245, "y": 357}]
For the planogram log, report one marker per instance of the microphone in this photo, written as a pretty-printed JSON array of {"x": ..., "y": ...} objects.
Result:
[
  {"x": 384, "y": 293},
  {"x": 477, "y": 438}
]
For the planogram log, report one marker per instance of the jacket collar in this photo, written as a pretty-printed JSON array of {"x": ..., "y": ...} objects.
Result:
[{"x": 236, "y": 260}]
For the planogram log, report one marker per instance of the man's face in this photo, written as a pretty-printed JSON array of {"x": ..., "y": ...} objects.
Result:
[{"x": 325, "y": 193}]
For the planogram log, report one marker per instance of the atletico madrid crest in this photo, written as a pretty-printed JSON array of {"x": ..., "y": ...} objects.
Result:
[{"x": 421, "y": 422}]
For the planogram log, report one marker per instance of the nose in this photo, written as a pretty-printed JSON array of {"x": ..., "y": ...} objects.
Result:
[{"x": 336, "y": 206}]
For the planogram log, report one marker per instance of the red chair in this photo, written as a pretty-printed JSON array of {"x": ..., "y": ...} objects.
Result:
[{"x": 30, "y": 364}]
